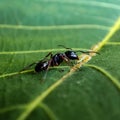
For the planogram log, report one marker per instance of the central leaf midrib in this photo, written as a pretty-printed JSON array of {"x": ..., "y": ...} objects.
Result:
[{"x": 32, "y": 105}]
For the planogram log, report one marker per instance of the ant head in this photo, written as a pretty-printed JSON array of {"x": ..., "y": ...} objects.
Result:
[{"x": 71, "y": 55}]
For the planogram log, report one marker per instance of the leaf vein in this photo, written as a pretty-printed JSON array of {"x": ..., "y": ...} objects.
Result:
[
  {"x": 35, "y": 51},
  {"x": 55, "y": 27},
  {"x": 92, "y": 3},
  {"x": 85, "y": 58},
  {"x": 113, "y": 43},
  {"x": 3, "y": 110},
  {"x": 107, "y": 74},
  {"x": 27, "y": 71},
  {"x": 48, "y": 111}
]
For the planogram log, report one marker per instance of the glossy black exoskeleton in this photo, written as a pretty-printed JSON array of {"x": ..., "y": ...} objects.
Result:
[
  {"x": 55, "y": 60},
  {"x": 41, "y": 66},
  {"x": 71, "y": 55},
  {"x": 58, "y": 58}
]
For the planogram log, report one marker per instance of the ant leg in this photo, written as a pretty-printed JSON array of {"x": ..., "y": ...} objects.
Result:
[
  {"x": 67, "y": 60},
  {"x": 44, "y": 77},
  {"x": 25, "y": 68},
  {"x": 87, "y": 52},
  {"x": 65, "y": 47},
  {"x": 49, "y": 54}
]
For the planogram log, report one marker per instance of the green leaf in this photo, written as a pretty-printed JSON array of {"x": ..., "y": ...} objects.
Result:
[{"x": 29, "y": 30}]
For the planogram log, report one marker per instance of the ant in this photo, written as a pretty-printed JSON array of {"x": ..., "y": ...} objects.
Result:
[{"x": 55, "y": 60}]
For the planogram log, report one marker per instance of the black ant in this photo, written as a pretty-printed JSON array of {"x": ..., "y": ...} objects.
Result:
[{"x": 55, "y": 60}]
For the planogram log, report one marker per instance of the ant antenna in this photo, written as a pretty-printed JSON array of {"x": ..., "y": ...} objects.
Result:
[
  {"x": 90, "y": 51},
  {"x": 65, "y": 47}
]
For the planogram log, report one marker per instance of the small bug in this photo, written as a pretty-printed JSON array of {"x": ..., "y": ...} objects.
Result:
[{"x": 56, "y": 59}]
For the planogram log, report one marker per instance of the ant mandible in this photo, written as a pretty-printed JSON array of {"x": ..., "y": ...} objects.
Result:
[{"x": 55, "y": 60}]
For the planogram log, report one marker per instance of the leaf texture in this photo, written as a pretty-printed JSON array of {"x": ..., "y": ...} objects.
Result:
[{"x": 90, "y": 90}]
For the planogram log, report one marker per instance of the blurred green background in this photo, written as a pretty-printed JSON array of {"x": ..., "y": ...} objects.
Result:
[{"x": 28, "y": 25}]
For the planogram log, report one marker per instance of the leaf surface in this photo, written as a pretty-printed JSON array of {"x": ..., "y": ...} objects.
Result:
[{"x": 31, "y": 29}]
